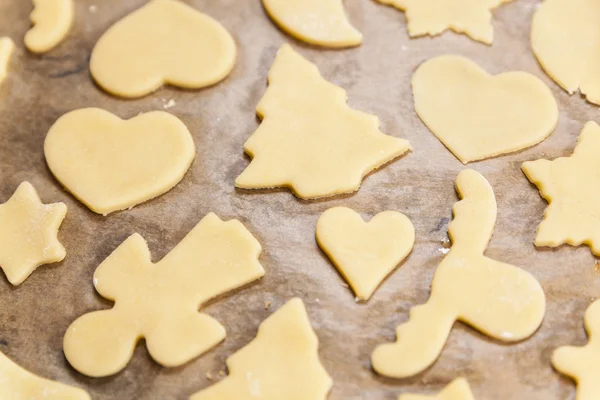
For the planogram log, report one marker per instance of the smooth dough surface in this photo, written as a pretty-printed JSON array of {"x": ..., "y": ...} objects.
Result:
[
  {"x": 458, "y": 389},
  {"x": 111, "y": 164},
  {"x": 163, "y": 42},
  {"x": 309, "y": 139},
  {"x": 159, "y": 302},
  {"x": 477, "y": 115},
  {"x": 282, "y": 362},
  {"x": 28, "y": 233},
  {"x": 365, "y": 252},
  {"x": 52, "y": 21},
  {"x": 572, "y": 189},
  {"x": 565, "y": 36},
  {"x": 500, "y": 300},
  {"x": 319, "y": 22},
  {"x": 7, "y": 46}
]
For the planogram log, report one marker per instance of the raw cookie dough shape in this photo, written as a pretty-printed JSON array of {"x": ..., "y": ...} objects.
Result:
[
  {"x": 458, "y": 389},
  {"x": 28, "y": 233},
  {"x": 365, "y": 252},
  {"x": 581, "y": 363},
  {"x": 432, "y": 17},
  {"x": 565, "y": 36},
  {"x": 111, "y": 164},
  {"x": 7, "y": 47},
  {"x": 159, "y": 302},
  {"x": 477, "y": 115},
  {"x": 18, "y": 383},
  {"x": 318, "y": 22},
  {"x": 52, "y": 21},
  {"x": 500, "y": 300},
  {"x": 309, "y": 139},
  {"x": 571, "y": 187},
  {"x": 163, "y": 42},
  {"x": 282, "y": 362}
]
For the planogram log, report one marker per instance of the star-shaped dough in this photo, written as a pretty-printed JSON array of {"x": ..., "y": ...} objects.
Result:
[
  {"x": 28, "y": 233},
  {"x": 458, "y": 389},
  {"x": 571, "y": 185}
]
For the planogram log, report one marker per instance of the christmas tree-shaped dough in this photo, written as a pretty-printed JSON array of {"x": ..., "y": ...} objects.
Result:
[
  {"x": 309, "y": 139},
  {"x": 458, "y": 389},
  {"x": 282, "y": 362},
  {"x": 500, "y": 300}
]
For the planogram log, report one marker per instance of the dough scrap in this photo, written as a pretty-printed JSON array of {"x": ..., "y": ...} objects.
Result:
[
  {"x": 309, "y": 139},
  {"x": 7, "y": 47},
  {"x": 318, "y": 22},
  {"x": 365, "y": 252},
  {"x": 159, "y": 302},
  {"x": 581, "y": 363},
  {"x": 28, "y": 233},
  {"x": 110, "y": 164},
  {"x": 282, "y": 362},
  {"x": 500, "y": 300},
  {"x": 163, "y": 42},
  {"x": 52, "y": 21},
  {"x": 565, "y": 36},
  {"x": 17, "y": 383},
  {"x": 571, "y": 187},
  {"x": 477, "y": 115},
  {"x": 458, "y": 389}
]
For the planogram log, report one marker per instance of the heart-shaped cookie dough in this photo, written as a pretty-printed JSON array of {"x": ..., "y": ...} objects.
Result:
[
  {"x": 477, "y": 115},
  {"x": 365, "y": 252},
  {"x": 111, "y": 164},
  {"x": 164, "y": 42}
]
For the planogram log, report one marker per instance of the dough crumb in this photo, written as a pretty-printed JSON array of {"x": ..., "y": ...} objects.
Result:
[
  {"x": 221, "y": 373},
  {"x": 209, "y": 376},
  {"x": 267, "y": 305},
  {"x": 171, "y": 103},
  {"x": 344, "y": 284}
]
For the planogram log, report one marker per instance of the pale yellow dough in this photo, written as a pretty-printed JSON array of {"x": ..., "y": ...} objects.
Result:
[
  {"x": 581, "y": 363},
  {"x": 572, "y": 189},
  {"x": 111, "y": 164},
  {"x": 477, "y": 115},
  {"x": 52, "y": 21},
  {"x": 159, "y": 302},
  {"x": 28, "y": 233},
  {"x": 500, "y": 300},
  {"x": 319, "y": 22},
  {"x": 432, "y": 17},
  {"x": 458, "y": 389},
  {"x": 17, "y": 383},
  {"x": 309, "y": 139},
  {"x": 282, "y": 362},
  {"x": 565, "y": 36},
  {"x": 365, "y": 252},
  {"x": 163, "y": 42},
  {"x": 7, "y": 46}
]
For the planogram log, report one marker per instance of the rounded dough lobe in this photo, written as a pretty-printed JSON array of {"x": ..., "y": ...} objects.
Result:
[{"x": 52, "y": 21}]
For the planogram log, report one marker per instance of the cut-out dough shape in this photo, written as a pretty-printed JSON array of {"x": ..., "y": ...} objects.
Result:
[
  {"x": 7, "y": 47},
  {"x": 581, "y": 363},
  {"x": 159, "y": 302},
  {"x": 282, "y": 362},
  {"x": 111, "y": 164},
  {"x": 477, "y": 115},
  {"x": 572, "y": 189},
  {"x": 164, "y": 42},
  {"x": 565, "y": 36},
  {"x": 365, "y": 252},
  {"x": 458, "y": 389},
  {"x": 319, "y": 22},
  {"x": 309, "y": 139},
  {"x": 500, "y": 300},
  {"x": 52, "y": 21},
  {"x": 28, "y": 233},
  {"x": 17, "y": 383},
  {"x": 432, "y": 17}
]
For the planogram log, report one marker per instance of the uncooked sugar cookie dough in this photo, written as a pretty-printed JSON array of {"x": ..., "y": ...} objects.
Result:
[
  {"x": 572, "y": 189},
  {"x": 309, "y": 139},
  {"x": 477, "y": 115},
  {"x": 159, "y": 302},
  {"x": 52, "y": 21},
  {"x": 458, "y": 389},
  {"x": 500, "y": 300},
  {"x": 111, "y": 164},
  {"x": 565, "y": 36},
  {"x": 319, "y": 22},
  {"x": 7, "y": 47},
  {"x": 365, "y": 252},
  {"x": 164, "y": 42},
  {"x": 282, "y": 362}
]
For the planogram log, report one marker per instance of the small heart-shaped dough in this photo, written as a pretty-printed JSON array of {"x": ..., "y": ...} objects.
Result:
[
  {"x": 477, "y": 115},
  {"x": 111, "y": 164},
  {"x": 164, "y": 42},
  {"x": 365, "y": 252}
]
